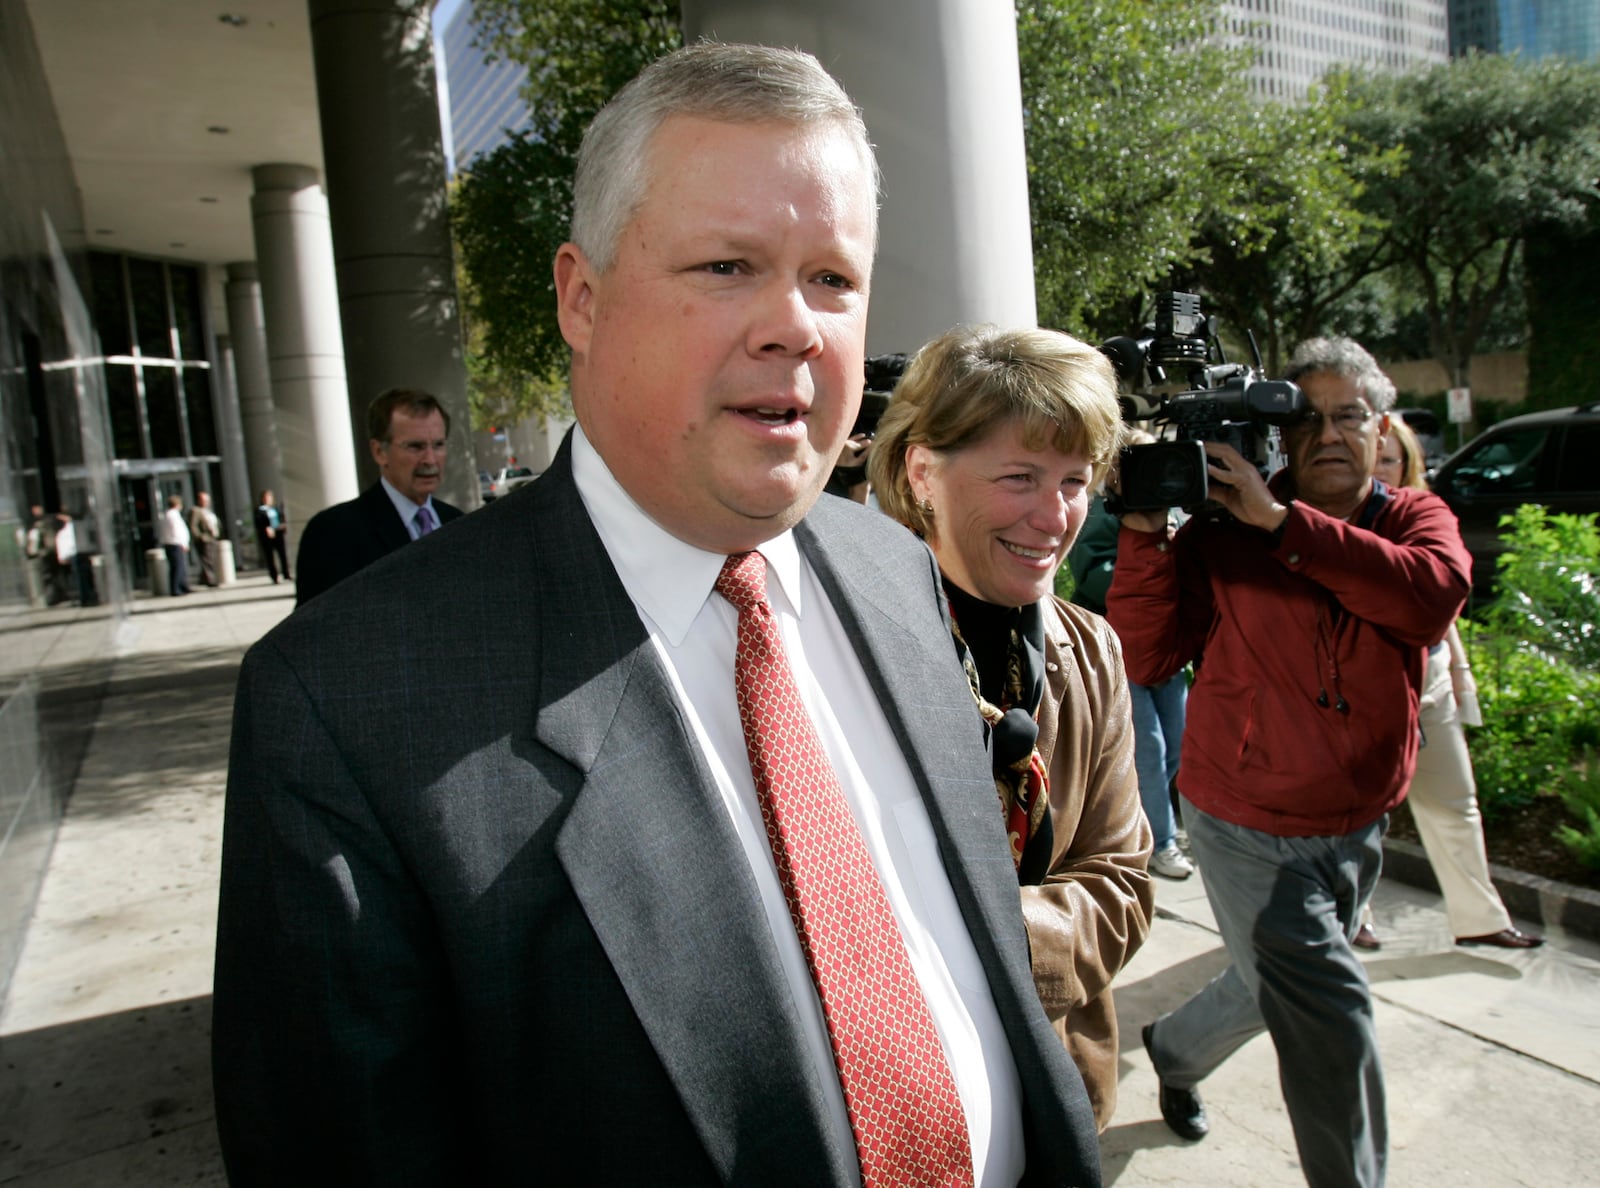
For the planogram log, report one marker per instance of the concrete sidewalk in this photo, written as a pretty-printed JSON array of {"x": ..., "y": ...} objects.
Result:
[{"x": 1493, "y": 1059}]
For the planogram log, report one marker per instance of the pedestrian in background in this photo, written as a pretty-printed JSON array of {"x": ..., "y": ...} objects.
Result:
[
  {"x": 1158, "y": 710},
  {"x": 172, "y": 534},
  {"x": 1443, "y": 795},
  {"x": 272, "y": 537},
  {"x": 205, "y": 530}
]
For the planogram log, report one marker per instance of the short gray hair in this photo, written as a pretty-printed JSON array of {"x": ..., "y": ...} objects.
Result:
[
  {"x": 1348, "y": 358},
  {"x": 738, "y": 84}
]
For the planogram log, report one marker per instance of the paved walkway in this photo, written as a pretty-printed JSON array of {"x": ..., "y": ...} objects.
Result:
[{"x": 1493, "y": 1059}]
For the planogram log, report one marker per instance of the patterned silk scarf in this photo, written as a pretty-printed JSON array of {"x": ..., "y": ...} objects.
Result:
[{"x": 1002, "y": 650}]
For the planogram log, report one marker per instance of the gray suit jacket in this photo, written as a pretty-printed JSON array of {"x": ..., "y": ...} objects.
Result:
[{"x": 484, "y": 918}]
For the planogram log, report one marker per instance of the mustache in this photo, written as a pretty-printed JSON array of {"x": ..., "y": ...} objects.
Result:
[{"x": 426, "y": 472}]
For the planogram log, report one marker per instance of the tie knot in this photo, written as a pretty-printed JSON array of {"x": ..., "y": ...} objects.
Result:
[
  {"x": 743, "y": 580},
  {"x": 424, "y": 520}
]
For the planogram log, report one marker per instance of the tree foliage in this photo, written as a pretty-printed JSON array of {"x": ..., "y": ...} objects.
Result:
[
  {"x": 1306, "y": 255},
  {"x": 1141, "y": 132},
  {"x": 1496, "y": 148},
  {"x": 1125, "y": 112},
  {"x": 512, "y": 208}
]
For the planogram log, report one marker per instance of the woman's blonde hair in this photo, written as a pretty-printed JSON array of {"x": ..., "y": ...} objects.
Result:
[
  {"x": 971, "y": 380},
  {"x": 1413, "y": 472}
]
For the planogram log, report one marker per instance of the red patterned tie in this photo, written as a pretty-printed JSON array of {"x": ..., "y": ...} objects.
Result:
[{"x": 904, "y": 1109}]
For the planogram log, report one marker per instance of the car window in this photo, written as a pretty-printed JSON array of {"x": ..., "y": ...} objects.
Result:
[
  {"x": 1580, "y": 461},
  {"x": 1508, "y": 462}
]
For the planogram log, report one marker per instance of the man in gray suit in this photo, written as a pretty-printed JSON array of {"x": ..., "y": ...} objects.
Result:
[{"x": 497, "y": 900}]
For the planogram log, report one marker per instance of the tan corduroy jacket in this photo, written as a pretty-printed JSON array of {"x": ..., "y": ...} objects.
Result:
[{"x": 1093, "y": 910}]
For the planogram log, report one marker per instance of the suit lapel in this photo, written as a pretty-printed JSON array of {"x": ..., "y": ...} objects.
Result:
[
  {"x": 930, "y": 708},
  {"x": 654, "y": 860},
  {"x": 909, "y": 659},
  {"x": 379, "y": 510}
]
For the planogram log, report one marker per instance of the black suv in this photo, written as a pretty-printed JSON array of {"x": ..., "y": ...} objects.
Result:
[{"x": 1549, "y": 457}]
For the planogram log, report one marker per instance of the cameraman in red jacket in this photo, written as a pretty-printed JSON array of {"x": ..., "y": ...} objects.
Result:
[{"x": 1308, "y": 606}]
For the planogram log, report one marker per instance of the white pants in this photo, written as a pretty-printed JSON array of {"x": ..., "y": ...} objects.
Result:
[{"x": 1444, "y": 804}]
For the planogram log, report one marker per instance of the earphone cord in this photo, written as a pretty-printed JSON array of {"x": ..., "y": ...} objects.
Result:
[{"x": 1324, "y": 645}]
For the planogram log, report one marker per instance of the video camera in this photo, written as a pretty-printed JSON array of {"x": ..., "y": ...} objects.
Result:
[
  {"x": 1223, "y": 402},
  {"x": 883, "y": 372}
]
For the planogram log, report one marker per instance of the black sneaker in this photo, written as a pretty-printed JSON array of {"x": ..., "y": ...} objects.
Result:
[{"x": 1181, "y": 1109}]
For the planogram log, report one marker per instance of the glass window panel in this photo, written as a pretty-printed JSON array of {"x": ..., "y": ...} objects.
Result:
[
  {"x": 151, "y": 326},
  {"x": 126, "y": 439},
  {"x": 197, "y": 399},
  {"x": 1508, "y": 461},
  {"x": 186, "y": 310},
  {"x": 161, "y": 402},
  {"x": 110, "y": 304}
]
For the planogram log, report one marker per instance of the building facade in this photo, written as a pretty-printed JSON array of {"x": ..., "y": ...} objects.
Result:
[
  {"x": 1298, "y": 40},
  {"x": 481, "y": 99},
  {"x": 1532, "y": 28}
]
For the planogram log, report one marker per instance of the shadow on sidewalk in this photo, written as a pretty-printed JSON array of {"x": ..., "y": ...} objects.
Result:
[
  {"x": 168, "y": 726},
  {"x": 117, "y": 1099}
]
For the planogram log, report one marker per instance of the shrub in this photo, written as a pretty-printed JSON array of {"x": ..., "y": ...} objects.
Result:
[
  {"x": 1582, "y": 798},
  {"x": 1537, "y": 652}
]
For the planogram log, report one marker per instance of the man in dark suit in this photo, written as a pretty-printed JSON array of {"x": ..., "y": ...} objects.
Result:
[
  {"x": 498, "y": 900},
  {"x": 272, "y": 536},
  {"x": 408, "y": 432}
]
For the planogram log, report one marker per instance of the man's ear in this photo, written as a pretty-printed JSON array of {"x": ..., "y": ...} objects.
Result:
[
  {"x": 376, "y": 447},
  {"x": 575, "y": 291}
]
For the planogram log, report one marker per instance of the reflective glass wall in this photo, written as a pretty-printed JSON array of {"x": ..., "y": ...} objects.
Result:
[{"x": 59, "y": 597}]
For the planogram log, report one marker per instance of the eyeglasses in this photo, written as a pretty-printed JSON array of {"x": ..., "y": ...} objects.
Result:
[
  {"x": 417, "y": 449},
  {"x": 1348, "y": 420}
]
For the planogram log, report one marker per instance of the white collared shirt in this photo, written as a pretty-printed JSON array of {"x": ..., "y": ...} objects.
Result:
[
  {"x": 408, "y": 510},
  {"x": 696, "y": 635}
]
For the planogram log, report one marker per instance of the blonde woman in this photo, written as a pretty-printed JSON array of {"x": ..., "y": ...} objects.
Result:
[
  {"x": 988, "y": 452},
  {"x": 1443, "y": 795}
]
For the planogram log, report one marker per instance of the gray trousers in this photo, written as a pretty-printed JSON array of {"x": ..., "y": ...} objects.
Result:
[{"x": 1286, "y": 908}]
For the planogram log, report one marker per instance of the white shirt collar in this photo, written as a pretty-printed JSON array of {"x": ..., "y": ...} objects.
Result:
[
  {"x": 668, "y": 579},
  {"x": 403, "y": 505}
]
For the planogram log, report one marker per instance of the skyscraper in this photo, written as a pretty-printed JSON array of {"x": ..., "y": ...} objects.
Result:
[
  {"x": 1532, "y": 28},
  {"x": 1298, "y": 40},
  {"x": 481, "y": 99}
]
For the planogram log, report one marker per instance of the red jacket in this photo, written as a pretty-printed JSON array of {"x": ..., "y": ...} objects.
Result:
[{"x": 1329, "y": 611}]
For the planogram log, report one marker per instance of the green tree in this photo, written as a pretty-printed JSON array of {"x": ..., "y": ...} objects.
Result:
[
  {"x": 1304, "y": 254},
  {"x": 1563, "y": 349},
  {"x": 1128, "y": 107},
  {"x": 1496, "y": 148},
  {"x": 512, "y": 209},
  {"x": 1140, "y": 130}
]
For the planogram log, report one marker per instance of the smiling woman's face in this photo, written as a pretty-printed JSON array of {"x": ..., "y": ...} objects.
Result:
[
  {"x": 1391, "y": 465},
  {"x": 1004, "y": 515}
]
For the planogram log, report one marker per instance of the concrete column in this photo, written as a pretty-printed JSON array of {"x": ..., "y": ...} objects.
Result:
[
  {"x": 257, "y": 419},
  {"x": 391, "y": 231},
  {"x": 236, "y": 494},
  {"x": 305, "y": 354},
  {"x": 939, "y": 85}
]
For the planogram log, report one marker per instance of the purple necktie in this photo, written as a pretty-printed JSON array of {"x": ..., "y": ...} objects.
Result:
[{"x": 424, "y": 521}]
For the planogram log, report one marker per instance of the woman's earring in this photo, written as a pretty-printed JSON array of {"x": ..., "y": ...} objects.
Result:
[{"x": 925, "y": 506}]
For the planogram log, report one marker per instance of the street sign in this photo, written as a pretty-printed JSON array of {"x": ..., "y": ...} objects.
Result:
[{"x": 1460, "y": 405}]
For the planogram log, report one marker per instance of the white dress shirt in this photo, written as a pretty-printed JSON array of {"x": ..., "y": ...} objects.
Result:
[
  {"x": 408, "y": 510},
  {"x": 171, "y": 530},
  {"x": 696, "y": 634}
]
